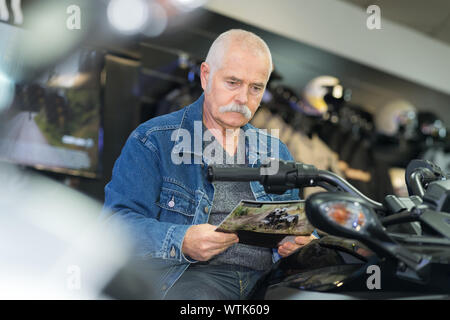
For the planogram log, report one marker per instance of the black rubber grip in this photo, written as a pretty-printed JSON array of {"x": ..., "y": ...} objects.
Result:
[{"x": 233, "y": 174}]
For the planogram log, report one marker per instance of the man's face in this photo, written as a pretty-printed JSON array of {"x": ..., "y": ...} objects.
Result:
[{"x": 240, "y": 80}]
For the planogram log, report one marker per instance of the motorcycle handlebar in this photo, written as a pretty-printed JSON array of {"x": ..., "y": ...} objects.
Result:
[
  {"x": 419, "y": 173},
  {"x": 334, "y": 179},
  {"x": 289, "y": 175}
]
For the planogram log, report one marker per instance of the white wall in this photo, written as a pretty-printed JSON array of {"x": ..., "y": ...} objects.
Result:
[{"x": 341, "y": 28}]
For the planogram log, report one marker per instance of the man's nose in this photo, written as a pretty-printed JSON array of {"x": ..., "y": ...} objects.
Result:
[{"x": 242, "y": 95}]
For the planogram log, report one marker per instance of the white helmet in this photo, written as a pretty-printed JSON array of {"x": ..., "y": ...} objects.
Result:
[
  {"x": 394, "y": 115},
  {"x": 315, "y": 91}
]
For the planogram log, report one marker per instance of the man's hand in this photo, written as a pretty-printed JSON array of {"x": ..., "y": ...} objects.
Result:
[
  {"x": 289, "y": 247},
  {"x": 202, "y": 242}
]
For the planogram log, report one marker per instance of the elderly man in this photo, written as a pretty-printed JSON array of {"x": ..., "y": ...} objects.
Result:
[{"x": 160, "y": 193}]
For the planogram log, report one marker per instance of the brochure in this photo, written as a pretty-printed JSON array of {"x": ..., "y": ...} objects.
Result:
[{"x": 267, "y": 223}]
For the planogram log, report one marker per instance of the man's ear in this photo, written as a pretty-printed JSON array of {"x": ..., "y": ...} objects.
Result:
[{"x": 205, "y": 73}]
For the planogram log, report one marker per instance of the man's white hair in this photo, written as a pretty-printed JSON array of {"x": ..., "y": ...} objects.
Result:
[{"x": 245, "y": 39}]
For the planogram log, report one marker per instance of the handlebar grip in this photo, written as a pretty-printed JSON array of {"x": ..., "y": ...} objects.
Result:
[{"x": 233, "y": 174}]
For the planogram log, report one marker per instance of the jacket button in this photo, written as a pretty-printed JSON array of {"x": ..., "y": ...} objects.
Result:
[
  {"x": 206, "y": 209},
  {"x": 172, "y": 252},
  {"x": 164, "y": 287},
  {"x": 171, "y": 203}
]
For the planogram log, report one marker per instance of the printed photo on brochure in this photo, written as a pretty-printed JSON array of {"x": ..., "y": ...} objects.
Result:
[{"x": 266, "y": 224}]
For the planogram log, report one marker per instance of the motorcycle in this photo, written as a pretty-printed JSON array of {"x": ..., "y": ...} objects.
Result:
[{"x": 398, "y": 249}]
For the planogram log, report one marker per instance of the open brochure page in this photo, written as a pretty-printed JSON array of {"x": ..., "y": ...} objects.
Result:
[{"x": 266, "y": 224}]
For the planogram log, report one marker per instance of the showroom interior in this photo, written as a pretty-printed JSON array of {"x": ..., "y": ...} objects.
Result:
[{"x": 359, "y": 88}]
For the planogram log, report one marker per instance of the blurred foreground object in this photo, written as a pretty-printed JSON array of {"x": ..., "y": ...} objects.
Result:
[
  {"x": 49, "y": 31},
  {"x": 54, "y": 248}
]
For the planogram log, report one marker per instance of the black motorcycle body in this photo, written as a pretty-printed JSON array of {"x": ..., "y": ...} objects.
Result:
[{"x": 399, "y": 249}]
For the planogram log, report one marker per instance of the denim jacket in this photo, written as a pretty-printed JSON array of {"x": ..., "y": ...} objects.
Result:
[{"x": 157, "y": 200}]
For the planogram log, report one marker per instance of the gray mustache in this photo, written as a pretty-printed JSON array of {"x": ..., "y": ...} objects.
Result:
[{"x": 232, "y": 107}]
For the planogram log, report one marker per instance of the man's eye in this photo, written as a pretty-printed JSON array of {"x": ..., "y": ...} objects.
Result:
[{"x": 256, "y": 89}]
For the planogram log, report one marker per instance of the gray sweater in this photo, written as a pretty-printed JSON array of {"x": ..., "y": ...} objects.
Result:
[{"x": 226, "y": 196}]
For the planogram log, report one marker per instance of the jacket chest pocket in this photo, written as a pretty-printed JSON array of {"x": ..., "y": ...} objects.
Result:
[{"x": 177, "y": 206}]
